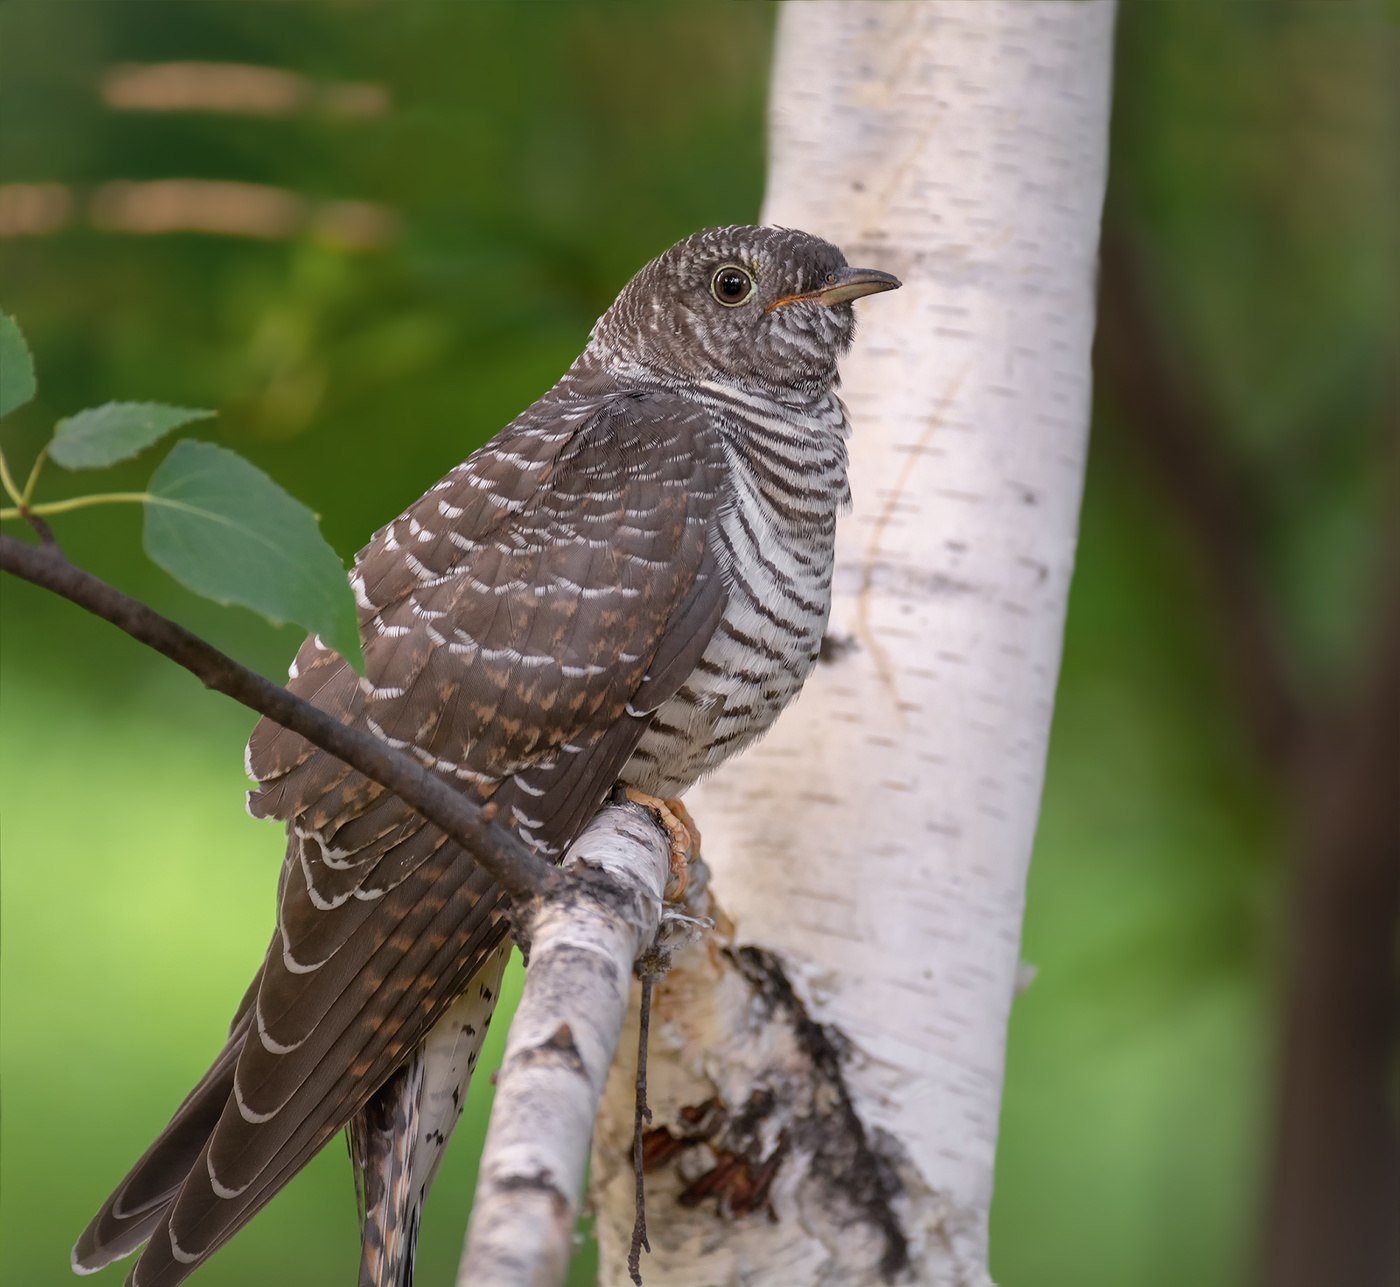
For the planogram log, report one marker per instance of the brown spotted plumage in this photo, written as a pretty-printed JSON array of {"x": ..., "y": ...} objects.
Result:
[{"x": 626, "y": 584}]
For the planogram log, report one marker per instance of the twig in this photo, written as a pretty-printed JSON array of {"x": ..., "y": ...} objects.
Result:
[
  {"x": 42, "y": 528},
  {"x": 518, "y": 870},
  {"x": 639, "y": 1124},
  {"x": 585, "y": 936}
]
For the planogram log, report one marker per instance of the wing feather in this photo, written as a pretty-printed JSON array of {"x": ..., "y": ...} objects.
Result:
[{"x": 520, "y": 623}]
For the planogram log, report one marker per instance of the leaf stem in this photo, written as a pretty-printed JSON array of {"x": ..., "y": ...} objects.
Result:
[
  {"x": 78, "y": 502},
  {"x": 33, "y": 478},
  {"x": 10, "y": 489}
]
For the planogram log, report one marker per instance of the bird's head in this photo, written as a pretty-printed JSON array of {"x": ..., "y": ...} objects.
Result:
[{"x": 764, "y": 307}]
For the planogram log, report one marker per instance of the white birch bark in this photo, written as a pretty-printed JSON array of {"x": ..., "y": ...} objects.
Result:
[
  {"x": 584, "y": 941},
  {"x": 827, "y": 1072}
]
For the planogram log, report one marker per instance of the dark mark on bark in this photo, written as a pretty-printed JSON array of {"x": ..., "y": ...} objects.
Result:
[
  {"x": 659, "y": 1146},
  {"x": 759, "y": 1106},
  {"x": 563, "y": 1039},
  {"x": 843, "y": 1154},
  {"x": 739, "y": 1183},
  {"x": 558, "y": 1048},
  {"x": 702, "y": 1117},
  {"x": 714, "y": 1182},
  {"x": 541, "y": 1182},
  {"x": 743, "y": 1173},
  {"x": 903, "y": 581},
  {"x": 834, "y": 647},
  {"x": 698, "y": 1123}
]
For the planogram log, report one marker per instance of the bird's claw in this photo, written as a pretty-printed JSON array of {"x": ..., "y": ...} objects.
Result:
[{"x": 685, "y": 837}]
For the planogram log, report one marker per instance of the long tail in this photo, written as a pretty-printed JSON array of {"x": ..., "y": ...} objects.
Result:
[
  {"x": 382, "y": 1138},
  {"x": 396, "y": 1141},
  {"x": 131, "y": 1214}
]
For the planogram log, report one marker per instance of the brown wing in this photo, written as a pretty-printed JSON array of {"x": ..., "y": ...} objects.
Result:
[{"x": 522, "y": 621}]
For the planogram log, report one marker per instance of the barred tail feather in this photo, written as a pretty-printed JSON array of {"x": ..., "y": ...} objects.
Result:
[
  {"x": 132, "y": 1213},
  {"x": 382, "y": 1138},
  {"x": 398, "y": 1139}
]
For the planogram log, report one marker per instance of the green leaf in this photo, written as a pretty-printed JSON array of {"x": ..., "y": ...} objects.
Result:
[
  {"x": 101, "y": 436},
  {"x": 224, "y": 529},
  {"x": 16, "y": 366}
]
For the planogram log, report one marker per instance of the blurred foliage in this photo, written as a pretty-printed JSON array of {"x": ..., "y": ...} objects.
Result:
[{"x": 531, "y": 158}]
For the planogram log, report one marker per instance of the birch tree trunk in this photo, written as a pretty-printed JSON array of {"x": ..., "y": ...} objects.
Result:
[{"x": 826, "y": 1068}]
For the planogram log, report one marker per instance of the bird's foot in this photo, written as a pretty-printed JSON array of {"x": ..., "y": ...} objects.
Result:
[{"x": 685, "y": 837}]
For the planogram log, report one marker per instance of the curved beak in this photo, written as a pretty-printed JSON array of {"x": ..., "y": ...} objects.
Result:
[{"x": 843, "y": 286}]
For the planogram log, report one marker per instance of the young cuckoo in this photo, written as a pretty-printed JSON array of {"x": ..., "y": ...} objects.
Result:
[{"x": 628, "y": 583}]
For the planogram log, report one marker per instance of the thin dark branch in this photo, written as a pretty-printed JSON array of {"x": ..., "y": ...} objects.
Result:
[
  {"x": 44, "y": 530},
  {"x": 518, "y": 870},
  {"x": 639, "y": 1123}
]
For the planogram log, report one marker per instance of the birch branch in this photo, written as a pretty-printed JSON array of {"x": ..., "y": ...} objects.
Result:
[{"x": 585, "y": 934}]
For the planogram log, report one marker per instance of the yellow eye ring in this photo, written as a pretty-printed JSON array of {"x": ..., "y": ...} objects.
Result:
[{"x": 731, "y": 285}]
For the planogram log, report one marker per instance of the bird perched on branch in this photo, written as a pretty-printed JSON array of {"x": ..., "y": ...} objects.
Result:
[{"x": 627, "y": 584}]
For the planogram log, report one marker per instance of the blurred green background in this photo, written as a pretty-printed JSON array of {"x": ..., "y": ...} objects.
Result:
[{"x": 446, "y": 196}]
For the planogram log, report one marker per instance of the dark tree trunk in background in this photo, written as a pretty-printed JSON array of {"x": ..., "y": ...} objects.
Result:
[{"x": 1332, "y": 1187}]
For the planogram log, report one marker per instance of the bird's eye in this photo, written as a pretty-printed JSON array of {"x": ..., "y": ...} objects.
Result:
[{"x": 731, "y": 285}]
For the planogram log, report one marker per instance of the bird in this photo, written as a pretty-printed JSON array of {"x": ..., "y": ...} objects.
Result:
[{"x": 624, "y": 587}]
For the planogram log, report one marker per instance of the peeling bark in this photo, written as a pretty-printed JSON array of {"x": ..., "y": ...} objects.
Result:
[{"x": 754, "y": 1119}]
